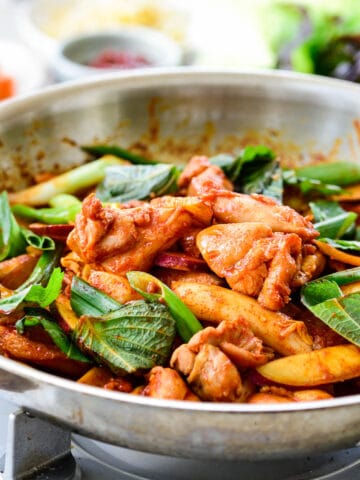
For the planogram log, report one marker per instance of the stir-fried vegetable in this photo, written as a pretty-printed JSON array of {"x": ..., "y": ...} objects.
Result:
[
  {"x": 115, "y": 150},
  {"x": 137, "y": 182},
  {"x": 12, "y": 241},
  {"x": 331, "y": 220},
  {"x": 87, "y": 300},
  {"x": 186, "y": 322},
  {"x": 328, "y": 365},
  {"x": 136, "y": 336},
  {"x": 40, "y": 316},
  {"x": 324, "y": 298},
  {"x": 73, "y": 181},
  {"x": 254, "y": 170},
  {"x": 124, "y": 337}
]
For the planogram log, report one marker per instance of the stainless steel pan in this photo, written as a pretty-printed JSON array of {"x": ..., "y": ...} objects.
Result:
[{"x": 178, "y": 113}]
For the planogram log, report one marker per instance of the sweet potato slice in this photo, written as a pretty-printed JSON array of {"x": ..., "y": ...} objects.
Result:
[
  {"x": 16, "y": 270},
  {"x": 97, "y": 377},
  {"x": 214, "y": 304},
  {"x": 38, "y": 351},
  {"x": 320, "y": 367},
  {"x": 66, "y": 317}
]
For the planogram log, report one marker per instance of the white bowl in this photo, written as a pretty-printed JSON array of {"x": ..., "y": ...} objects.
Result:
[
  {"x": 42, "y": 24},
  {"x": 73, "y": 55}
]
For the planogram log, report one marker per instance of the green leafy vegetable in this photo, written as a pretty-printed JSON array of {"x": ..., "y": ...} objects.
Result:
[
  {"x": 225, "y": 161},
  {"x": 317, "y": 38},
  {"x": 186, "y": 322},
  {"x": 325, "y": 300},
  {"x": 325, "y": 209},
  {"x": 13, "y": 238},
  {"x": 44, "y": 267},
  {"x": 52, "y": 216},
  {"x": 267, "y": 181},
  {"x": 137, "y": 336},
  {"x": 309, "y": 185},
  {"x": 336, "y": 173},
  {"x": 88, "y": 300},
  {"x": 235, "y": 166},
  {"x": 254, "y": 170},
  {"x": 331, "y": 220},
  {"x": 40, "y": 316},
  {"x": 35, "y": 293},
  {"x": 337, "y": 227},
  {"x": 37, "y": 241},
  {"x": 100, "y": 150},
  {"x": 126, "y": 183},
  {"x": 343, "y": 277},
  {"x": 12, "y": 242},
  {"x": 42, "y": 286}
]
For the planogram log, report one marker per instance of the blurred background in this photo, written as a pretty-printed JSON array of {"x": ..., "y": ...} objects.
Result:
[{"x": 48, "y": 41}]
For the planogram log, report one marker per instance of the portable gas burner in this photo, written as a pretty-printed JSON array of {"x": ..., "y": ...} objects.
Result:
[{"x": 33, "y": 449}]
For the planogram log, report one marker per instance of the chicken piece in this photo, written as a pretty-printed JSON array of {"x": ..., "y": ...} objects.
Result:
[
  {"x": 209, "y": 181},
  {"x": 119, "y": 384},
  {"x": 267, "y": 397},
  {"x": 38, "y": 351},
  {"x": 73, "y": 263},
  {"x": 211, "y": 359},
  {"x": 313, "y": 263},
  {"x": 230, "y": 207},
  {"x": 121, "y": 240},
  {"x": 274, "y": 394},
  {"x": 254, "y": 260},
  {"x": 166, "y": 383},
  {"x": 211, "y": 374},
  {"x": 188, "y": 243},
  {"x": 237, "y": 341},
  {"x": 200, "y": 177},
  {"x": 195, "y": 166}
]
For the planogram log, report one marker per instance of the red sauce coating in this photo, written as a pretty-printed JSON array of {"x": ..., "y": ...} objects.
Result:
[{"x": 119, "y": 59}]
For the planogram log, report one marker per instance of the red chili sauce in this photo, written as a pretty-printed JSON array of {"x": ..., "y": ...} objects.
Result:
[{"x": 119, "y": 59}]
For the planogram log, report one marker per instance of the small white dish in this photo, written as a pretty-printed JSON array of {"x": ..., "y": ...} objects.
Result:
[{"x": 74, "y": 54}]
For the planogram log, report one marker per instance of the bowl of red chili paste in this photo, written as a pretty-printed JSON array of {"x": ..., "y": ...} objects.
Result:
[{"x": 125, "y": 49}]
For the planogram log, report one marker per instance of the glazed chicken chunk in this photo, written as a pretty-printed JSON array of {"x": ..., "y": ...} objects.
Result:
[
  {"x": 230, "y": 207},
  {"x": 200, "y": 177},
  {"x": 166, "y": 383},
  {"x": 127, "y": 239},
  {"x": 211, "y": 360},
  {"x": 207, "y": 180},
  {"x": 253, "y": 259}
]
